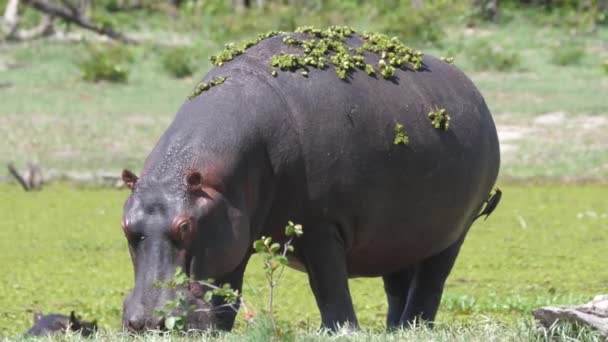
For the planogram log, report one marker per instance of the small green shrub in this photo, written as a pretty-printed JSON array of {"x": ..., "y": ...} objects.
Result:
[
  {"x": 179, "y": 62},
  {"x": 605, "y": 66},
  {"x": 567, "y": 54},
  {"x": 485, "y": 56},
  {"x": 107, "y": 64}
]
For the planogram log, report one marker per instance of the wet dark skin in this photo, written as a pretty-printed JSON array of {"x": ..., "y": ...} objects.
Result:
[{"x": 246, "y": 156}]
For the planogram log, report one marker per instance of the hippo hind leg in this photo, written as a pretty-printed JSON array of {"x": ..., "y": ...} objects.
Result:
[
  {"x": 328, "y": 276},
  {"x": 396, "y": 286},
  {"x": 426, "y": 287}
]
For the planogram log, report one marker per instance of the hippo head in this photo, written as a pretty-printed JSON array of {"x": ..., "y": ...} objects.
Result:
[{"x": 178, "y": 222}]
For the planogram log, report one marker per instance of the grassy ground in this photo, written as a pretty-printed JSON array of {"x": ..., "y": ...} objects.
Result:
[
  {"x": 49, "y": 114},
  {"x": 542, "y": 246},
  {"x": 484, "y": 331}
]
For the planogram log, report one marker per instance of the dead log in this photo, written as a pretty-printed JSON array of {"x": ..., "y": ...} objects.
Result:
[
  {"x": 31, "y": 179},
  {"x": 593, "y": 314},
  {"x": 73, "y": 15}
]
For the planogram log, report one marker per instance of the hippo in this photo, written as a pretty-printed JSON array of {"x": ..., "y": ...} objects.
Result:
[
  {"x": 385, "y": 164},
  {"x": 57, "y": 323}
]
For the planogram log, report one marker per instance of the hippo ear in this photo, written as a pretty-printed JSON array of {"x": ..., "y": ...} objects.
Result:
[
  {"x": 73, "y": 318},
  {"x": 194, "y": 180},
  {"x": 129, "y": 178},
  {"x": 37, "y": 316},
  {"x": 74, "y": 322}
]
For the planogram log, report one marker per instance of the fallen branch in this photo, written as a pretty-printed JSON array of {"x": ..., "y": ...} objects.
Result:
[
  {"x": 31, "y": 179},
  {"x": 593, "y": 314},
  {"x": 70, "y": 14}
]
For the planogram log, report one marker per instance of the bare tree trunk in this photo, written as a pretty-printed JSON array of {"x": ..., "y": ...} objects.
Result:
[
  {"x": 70, "y": 14},
  {"x": 11, "y": 18},
  {"x": 11, "y": 24}
]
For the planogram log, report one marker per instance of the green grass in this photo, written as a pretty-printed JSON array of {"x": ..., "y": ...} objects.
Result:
[
  {"x": 482, "y": 331},
  {"x": 62, "y": 249}
]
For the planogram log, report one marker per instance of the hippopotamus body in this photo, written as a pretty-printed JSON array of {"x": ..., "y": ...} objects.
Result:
[
  {"x": 246, "y": 156},
  {"x": 57, "y": 323}
]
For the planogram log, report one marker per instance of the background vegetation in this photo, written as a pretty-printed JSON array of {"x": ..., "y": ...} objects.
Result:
[{"x": 85, "y": 107}]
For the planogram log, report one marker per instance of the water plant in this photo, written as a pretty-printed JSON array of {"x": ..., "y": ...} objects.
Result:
[
  {"x": 203, "y": 86},
  {"x": 440, "y": 119},
  {"x": 401, "y": 137}
]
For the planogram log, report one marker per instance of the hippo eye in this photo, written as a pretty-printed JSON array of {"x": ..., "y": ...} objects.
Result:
[{"x": 184, "y": 227}]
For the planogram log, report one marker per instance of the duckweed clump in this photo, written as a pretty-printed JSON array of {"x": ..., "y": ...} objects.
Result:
[
  {"x": 232, "y": 50},
  {"x": 330, "y": 44},
  {"x": 329, "y": 47},
  {"x": 401, "y": 137},
  {"x": 440, "y": 119},
  {"x": 203, "y": 86}
]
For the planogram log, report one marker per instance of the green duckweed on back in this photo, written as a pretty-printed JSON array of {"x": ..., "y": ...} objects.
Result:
[
  {"x": 440, "y": 119},
  {"x": 232, "y": 50},
  {"x": 401, "y": 137},
  {"x": 328, "y": 47},
  {"x": 201, "y": 87}
]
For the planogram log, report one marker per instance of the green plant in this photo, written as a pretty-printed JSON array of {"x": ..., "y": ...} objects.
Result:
[
  {"x": 275, "y": 259},
  {"x": 178, "y": 62},
  {"x": 203, "y": 86},
  {"x": 605, "y": 66},
  {"x": 440, "y": 119},
  {"x": 401, "y": 137},
  {"x": 106, "y": 64},
  {"x": 567, "y": 54},
  {"x": 485, "y": 56},
  {"x": 180, "y": 303}
]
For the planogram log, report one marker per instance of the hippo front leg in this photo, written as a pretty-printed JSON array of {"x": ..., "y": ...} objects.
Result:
[
  {"x": 323, "y": 253},
  {"x": 224, "y": 313}
]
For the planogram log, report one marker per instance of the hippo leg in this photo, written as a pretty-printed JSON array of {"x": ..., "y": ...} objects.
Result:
[
  {"x": 396, "y": 286},
  {"x": 223, "y": 314},
  {"x": 327, "y": 273},
  {"x": 427, "y": 286}
]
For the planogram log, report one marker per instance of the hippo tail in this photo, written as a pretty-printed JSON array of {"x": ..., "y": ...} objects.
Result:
[{"x": 490, "y": 204}]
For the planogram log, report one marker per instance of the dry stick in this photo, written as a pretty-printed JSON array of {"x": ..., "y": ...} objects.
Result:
[
  {"x": 13, "y": 171},
  {"x": 76, "y": 18}
]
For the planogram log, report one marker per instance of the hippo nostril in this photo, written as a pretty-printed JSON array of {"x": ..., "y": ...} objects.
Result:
[
  {"x": 161, "y": 323},
  {"x": 135, "y": 324}
]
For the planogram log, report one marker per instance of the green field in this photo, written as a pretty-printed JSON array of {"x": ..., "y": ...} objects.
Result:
[{"x": 62, "y": 249}]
